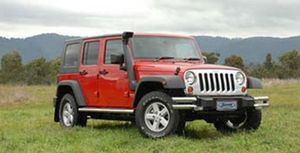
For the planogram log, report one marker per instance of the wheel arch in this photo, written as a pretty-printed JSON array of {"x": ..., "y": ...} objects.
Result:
[
  {"x": 170, "y": 83},
  {"x": 64, "y": 87},
  {"x": 253, "y": 83}
]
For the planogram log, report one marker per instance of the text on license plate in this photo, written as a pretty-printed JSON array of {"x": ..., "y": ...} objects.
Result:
[{"x": 226, "y": 105}]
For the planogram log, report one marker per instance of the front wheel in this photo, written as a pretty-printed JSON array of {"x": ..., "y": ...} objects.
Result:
[
  {"x": 68, "y": 113},
  {"x": 250, "y": 120},
  {"x": 155, "y": 116}
]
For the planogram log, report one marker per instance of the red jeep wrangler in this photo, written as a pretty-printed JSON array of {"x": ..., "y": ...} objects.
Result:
[{"x": 158, "y": 81}]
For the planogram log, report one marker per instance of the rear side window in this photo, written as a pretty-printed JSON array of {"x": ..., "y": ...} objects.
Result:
[
  {"x": 113, "y": 47},
  {"x": 91, "y": 52},
  {"x": 72, "y": 55}
]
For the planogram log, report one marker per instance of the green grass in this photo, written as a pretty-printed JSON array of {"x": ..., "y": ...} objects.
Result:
[{"x": 28, "y": 127}]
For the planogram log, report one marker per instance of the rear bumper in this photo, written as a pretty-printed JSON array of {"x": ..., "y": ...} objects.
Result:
[{"x": 209, "y": 103}]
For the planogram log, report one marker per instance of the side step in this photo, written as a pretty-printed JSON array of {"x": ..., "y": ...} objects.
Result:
[{"x": 106, "y": 110}]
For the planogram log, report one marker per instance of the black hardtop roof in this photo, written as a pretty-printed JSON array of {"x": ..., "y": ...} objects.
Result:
[
  {"x": 92, "y": 37},
  {"x": 80, "y": 39}
]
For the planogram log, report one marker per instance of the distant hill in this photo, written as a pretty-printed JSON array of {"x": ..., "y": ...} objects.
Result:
[
  {"x": 253, "y": 49},
  {"x": 44, "y": 45}
]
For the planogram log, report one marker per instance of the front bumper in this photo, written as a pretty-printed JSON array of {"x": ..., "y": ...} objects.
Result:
[{"x": 209, "y": 103}]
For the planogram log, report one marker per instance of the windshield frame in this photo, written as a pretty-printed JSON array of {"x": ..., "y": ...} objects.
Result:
[{"x": 197, "y": 52}]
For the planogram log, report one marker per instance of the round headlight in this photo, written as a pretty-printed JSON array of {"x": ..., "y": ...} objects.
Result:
[
  {"x": 240, "y": 78},
  {"x": 190, "y": 77}
]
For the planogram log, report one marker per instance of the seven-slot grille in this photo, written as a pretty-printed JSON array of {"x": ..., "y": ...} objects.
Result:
[{"x": 216, "y": 82}]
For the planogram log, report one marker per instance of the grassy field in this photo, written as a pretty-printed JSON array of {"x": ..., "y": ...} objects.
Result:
[{"x": 26, "y": 125}]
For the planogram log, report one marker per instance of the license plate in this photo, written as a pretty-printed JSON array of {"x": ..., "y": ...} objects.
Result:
[{"x": 226, "y": 105}]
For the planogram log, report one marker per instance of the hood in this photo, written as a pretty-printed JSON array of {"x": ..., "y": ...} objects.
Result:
[{"x": 170, "y": 66}]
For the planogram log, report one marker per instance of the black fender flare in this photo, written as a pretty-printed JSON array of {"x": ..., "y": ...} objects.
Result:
[
  {"x": 61, "y": 90},
  {"x": 77, "y": 92},
  {"x": 167, "y": 82},
  {"x": 254, "y": 83}
]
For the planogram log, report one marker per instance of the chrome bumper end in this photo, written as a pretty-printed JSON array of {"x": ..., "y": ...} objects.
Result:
[{"x": 263, "y": 99}]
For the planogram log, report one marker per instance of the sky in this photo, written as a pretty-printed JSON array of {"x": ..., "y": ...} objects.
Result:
[{"x": 226, "y": 18}]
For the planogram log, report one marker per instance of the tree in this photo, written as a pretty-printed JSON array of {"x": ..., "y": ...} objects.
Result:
[
  {"x": 37, "y": 72},
  {"x": 268, "y": 61},
  {"x": 11, "y": 68},
  {"x": 54, "y": 69},
  {"x": 290, "y": 63},
  {"x": 212, "y": 57},
  {"x": 290, "y": 60},
  {"x": 234, "y": 61}
]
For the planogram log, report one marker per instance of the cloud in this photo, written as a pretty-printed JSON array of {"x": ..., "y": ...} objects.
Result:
[
  {"x": 233, "y": 18},
  {"x": 17, "y": 13}
]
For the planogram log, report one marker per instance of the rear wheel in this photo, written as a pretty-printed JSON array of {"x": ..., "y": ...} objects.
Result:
[
  {"x": 68, "y": 113},
  {"x": 155, "y": 116},
  {"x": 250, "y": 120}
]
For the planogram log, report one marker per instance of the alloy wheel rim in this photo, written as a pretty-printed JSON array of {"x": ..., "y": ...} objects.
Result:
[
  {"x": 68, "y": 114},
  {"x": 157, "y": 117},
  {"x": 232, "y": 125}
]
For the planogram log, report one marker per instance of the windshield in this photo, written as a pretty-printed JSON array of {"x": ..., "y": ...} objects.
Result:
[{"x": 153, "y": 47}]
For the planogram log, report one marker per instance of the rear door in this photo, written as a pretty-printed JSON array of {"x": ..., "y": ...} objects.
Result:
[
  {"x": 89, "y": 72},
  {"x": 114, "y": 88}
]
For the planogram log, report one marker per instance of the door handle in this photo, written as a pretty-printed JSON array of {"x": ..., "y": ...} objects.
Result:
[
  {"x": 84, "y": 72},
  {"x": 103, "y": 72}
]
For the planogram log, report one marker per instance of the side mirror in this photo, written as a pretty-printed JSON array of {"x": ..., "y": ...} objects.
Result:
[
  {"x": 117, "y": 58},
  {"x": 205, "y": 59}
]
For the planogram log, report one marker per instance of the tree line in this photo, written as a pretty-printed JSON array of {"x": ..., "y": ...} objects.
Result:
[
  {"x": 287, "y": 67},
  {"x": 42, "y": 72},
  {"x": 37, "y": 72}
]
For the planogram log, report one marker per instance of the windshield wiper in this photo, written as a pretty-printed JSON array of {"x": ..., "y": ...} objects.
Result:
[
  {"x": 163, "y": 57},
  {"x": 191, "y": 59}
]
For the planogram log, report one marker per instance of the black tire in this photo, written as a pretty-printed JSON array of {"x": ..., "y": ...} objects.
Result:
[
  {"x": 132, "y": 122},
  {"x": 181, "y": 124},
  {"x": 82, "y": 119},
  {"x": 162, "y": 119},
  {"x": 254, "y": 120},
  {"x": 250, "y": 121},
  {"x": 68, "y": 113}
]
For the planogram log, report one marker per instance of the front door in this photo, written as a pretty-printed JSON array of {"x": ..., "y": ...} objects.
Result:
[
  {"x": 89, "y": 72},
  {"x": 114, "y": 90}
]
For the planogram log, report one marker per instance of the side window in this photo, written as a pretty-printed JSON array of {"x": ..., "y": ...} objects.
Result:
[
  {"x": 91, "y": 52},
  {"x": 113, "y": 47},
  {"x": 72, "y": 55}
]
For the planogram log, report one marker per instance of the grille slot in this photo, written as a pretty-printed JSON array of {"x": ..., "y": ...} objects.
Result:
[
  {"x": 216, "y": 82},
  {"x": 206, "y": 82}
]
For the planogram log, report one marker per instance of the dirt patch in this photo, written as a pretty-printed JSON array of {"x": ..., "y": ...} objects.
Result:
[
  {"x": 11, "y": 95},
  {"x": 272, "y": 82}
]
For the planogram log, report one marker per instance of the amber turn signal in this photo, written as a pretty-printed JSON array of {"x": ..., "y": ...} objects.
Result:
[
  {"x": 243, "y": 89},
  {"x": 190, "y": 89}
]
